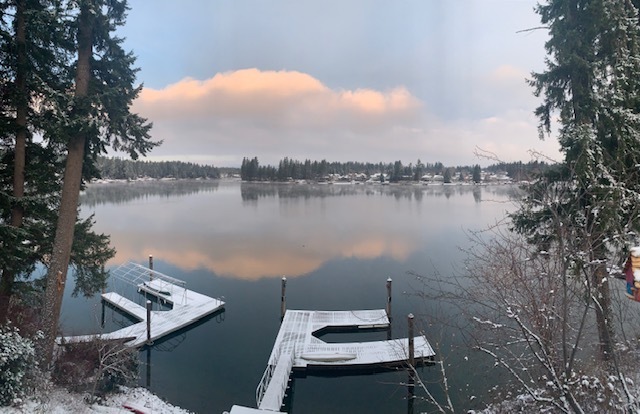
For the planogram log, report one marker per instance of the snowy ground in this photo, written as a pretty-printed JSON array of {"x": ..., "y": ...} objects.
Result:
[{"x": 60, "y": 401}]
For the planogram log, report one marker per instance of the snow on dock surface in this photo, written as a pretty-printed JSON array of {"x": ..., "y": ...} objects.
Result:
[
  {"x": 296, "y": 337},
  {"x": 188, "y": 307},
  {"x": 130, "y": 307},
  {"x": 297, "y": 348}
]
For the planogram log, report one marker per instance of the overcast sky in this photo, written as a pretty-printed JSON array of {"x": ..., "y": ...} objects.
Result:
[{"x": 341, "y": 80}]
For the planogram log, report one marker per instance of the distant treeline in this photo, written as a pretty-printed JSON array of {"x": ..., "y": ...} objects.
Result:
[
  {"x": 121, "y": 169},
  {"x": 520, "y": 171},
  {"x": 289, "y": 169}
]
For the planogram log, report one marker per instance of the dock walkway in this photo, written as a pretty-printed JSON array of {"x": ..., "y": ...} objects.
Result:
[
  {"x": 297, "y": 348},
  {"x": 188, "y": 308}
]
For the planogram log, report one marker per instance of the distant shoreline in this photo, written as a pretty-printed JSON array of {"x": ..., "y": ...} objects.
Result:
[{"x": 306, "y": 182}]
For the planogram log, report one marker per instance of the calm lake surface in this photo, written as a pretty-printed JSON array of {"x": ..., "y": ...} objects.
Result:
[{"x": 336, "y": 244}]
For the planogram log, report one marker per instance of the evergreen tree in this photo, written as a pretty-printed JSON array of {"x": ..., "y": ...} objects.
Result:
[
  {"x": 26, "y": 56},
  {"x": 34, "y": 61},
  {"x": 243, "y": 169},
  {"x": 447, "y": 175},
  {"x": 419, "y": 171},
  {"x": 102, "y": 95},
  {"x": 396, "y": 173},
  {"x": 592, "y": 81},
  {"x": 254, "y": 167},
  {"x": 477, "y": 177}
]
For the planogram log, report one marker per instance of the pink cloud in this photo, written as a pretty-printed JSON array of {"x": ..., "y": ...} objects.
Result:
[{"x": 288, "y": 98}]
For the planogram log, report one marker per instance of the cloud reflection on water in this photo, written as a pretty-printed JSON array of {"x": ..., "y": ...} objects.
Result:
[
  {"x": 251, "y": 231},
  {"x": 249, "y": 259}
]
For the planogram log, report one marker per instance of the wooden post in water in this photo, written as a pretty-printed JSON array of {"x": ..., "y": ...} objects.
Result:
[
  {"x": 412, "y": 360},
  {"x": 412, "y": 364},
  {"x": 388, "y": 307},
  {"x": 283, "y": 299},
  {"x": 148, "y": 322},
  {"x": 102, "y": 317},
  {"x": 150, "y": 266}
]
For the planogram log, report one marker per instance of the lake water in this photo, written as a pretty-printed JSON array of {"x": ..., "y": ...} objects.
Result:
[{"x": 336, "y": 244}]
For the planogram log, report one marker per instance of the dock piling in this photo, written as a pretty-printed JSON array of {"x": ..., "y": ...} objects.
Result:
[
  {"x": 151, "y": 267},
  {"x": 148, "y": 322},
  {"x": 283, "y": 298},
  {"x": 102, "y": 316},
  {"x": 412, "y": 361},
  {"x": 412, "y": 364},
  {"x": 388, "y": 307}
]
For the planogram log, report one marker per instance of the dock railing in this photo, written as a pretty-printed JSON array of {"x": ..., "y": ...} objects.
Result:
[
  {"x": 284, "y": 364},
  {"x": 138, "y": 276},
  {"x": 264, "y": 383}
]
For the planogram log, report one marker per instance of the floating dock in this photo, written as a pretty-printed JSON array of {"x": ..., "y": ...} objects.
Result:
[
  {"x": 297, "y": 348},
  {"x": 188, "y": 307}
]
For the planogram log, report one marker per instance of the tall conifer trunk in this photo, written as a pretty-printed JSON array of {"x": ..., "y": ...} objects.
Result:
[
  {"x": 19, "y": 161},
  {"x": 57, "y": 273}
]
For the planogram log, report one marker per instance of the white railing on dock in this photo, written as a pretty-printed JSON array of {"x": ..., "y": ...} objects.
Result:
[
  {"x": 151, "y": 281},
  {"x": 283, "y": 365},
  {"x": 264, "y": 383}
]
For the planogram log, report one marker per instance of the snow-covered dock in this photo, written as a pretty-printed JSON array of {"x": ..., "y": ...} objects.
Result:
[
  {"x": 188, "y": 307},
  {"x": 297, "y": 348}
]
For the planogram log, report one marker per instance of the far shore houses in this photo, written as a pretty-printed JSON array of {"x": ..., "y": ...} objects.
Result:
[{"x": 500, "y": 177}]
